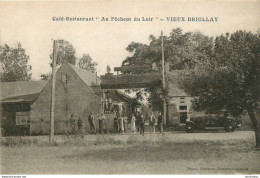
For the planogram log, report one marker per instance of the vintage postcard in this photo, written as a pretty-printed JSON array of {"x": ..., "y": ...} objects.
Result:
[{"x": 130, "y": 87}]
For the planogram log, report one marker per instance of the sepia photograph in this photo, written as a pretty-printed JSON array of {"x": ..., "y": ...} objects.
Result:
[{"x": 134, "y": 87}]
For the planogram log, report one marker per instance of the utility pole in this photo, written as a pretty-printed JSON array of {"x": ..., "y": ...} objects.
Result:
[
  {"x": 163, "y": 83},
  {"x": 53, "y": 92}
]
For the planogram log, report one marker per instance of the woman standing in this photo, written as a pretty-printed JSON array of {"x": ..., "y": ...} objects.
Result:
[
  {"x": 133, "y": 123},
  {"x": 152, "y": 123},
  {"x": 122, "y": 129}
]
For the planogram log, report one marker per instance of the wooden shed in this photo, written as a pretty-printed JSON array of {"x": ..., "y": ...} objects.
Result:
[{"x": 16, "y": 99}]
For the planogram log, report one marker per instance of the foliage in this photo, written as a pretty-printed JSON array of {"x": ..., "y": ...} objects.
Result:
[
  {"x": 230, "y": 80},
  {"x": 65, "y": 53},
  {"x": 181, "y": 50},
  {"x": 14, "y": 63},
  {"x": 86, "y": 62},
  {"x": 45, "y": 76}
]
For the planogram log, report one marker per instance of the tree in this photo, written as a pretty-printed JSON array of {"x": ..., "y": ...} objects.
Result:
[
  {"x": 85, "y": 62},
  {"x": 181, "y": 50},
  {"x": 230, "y": 80},
  {"x": 65, "y": 53},
  {"x": 14, "y": 64},
  {"x": 45, "y": 76}
]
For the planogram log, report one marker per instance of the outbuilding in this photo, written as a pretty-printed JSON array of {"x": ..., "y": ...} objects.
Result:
[{"x": 16, "y": 99}]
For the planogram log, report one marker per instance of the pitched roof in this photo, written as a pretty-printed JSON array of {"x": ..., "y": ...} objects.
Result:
[
  {"x": 28, "y": 91},
  {"x": 20, "y": 91},
  {"x": 90, "y": 78},
  {"x": 24, "y": 98}
]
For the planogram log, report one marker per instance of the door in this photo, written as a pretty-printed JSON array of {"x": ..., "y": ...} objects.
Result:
[{"x": 183, "y": 117}]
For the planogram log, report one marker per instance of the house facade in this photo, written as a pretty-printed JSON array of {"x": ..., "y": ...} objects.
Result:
[
  {"x": 179, "y": 103},
  {"x": 73, "y": 96},
  {"x": 77, "y": 93}
]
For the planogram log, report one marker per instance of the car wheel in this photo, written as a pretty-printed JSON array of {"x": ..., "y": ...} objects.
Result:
[
  {"x": 189, "y": 128},
  {"x": 232, "y": 128},
  {"x": 229, "y": 127}
]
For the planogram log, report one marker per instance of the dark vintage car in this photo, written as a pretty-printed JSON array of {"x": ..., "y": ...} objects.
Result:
[{"x": 209, "y": 122}]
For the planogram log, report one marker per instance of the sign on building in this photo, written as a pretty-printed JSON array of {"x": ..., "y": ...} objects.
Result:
[{"x": 22, "y": 118}]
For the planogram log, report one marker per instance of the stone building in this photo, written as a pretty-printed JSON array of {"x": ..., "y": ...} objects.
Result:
[
  {"x": 77, "y": 93},
  {"x": 179, "y": 105},
  {"x": 74, "y": 95},
  {"x": 25, "y": 105}
]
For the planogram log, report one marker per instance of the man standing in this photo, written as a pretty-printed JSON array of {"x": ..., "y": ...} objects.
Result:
[
  {"x": 101, "y": 121},
  {"x": 80, "y": 124},
  {"x": 116, "y": 123},
  {"x": 160, "y": 124},
  {"x": 137, "y": 125},
  {"x": 73, "y": 124},
  {"x": 91, "y": 120},
  {"x": 142, "y": 122}
]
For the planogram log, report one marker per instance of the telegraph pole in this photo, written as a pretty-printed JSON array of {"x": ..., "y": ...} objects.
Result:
[
  {"x": 53, "y": 92},
  {"x": 163, "y": 83}
]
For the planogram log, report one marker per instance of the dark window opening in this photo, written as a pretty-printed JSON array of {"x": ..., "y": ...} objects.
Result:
[
  {"x": 182, "y": 107},
  {"x": 63, "y": 78},
  {"x": 183, "y": 117}
]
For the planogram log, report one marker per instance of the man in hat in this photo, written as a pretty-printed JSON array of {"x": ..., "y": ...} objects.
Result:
[
  {"x": 73, "y": 124},
  {"x": 141, "y": 122},
  {"x": 160, "y": 122},
  {"x": 80, "y": 123},
  {"x": 91, "y": 120},
  {"x": 101, "y": 120}
]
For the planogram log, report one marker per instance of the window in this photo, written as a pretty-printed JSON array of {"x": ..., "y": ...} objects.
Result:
[
  {"x": 182, "y": 98},
  {"x": 183, "y": 108},
  {"x": 63, "y": 78}
]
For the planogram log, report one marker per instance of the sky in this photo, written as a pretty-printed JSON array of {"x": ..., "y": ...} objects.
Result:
[{"x": 31, "y": 23}]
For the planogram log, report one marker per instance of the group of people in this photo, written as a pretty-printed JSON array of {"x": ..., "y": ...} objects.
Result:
[
  {"x": 74, "y": 124},
  {"x": 136, "y": 123},
  {"x": 103, "y": 124}
]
